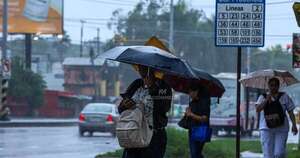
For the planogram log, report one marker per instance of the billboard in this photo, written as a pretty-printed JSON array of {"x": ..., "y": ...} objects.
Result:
[
  {"x": 34, "y": 16},
  {"x": 296, "y": 50}
]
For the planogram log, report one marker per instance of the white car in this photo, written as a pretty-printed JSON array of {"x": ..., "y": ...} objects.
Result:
[{"x": 98, "y": 117}]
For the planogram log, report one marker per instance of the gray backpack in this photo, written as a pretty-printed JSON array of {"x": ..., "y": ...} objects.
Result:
[{"x": 133, "y": 127}]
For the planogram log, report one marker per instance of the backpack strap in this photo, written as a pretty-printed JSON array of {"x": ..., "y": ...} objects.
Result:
[{"x": 280, "y": 94}]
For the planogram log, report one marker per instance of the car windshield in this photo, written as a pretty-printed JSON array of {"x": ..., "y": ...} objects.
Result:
[{"x": 98, "y": 108}]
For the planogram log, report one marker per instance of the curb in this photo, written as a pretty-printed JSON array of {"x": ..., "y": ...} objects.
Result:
[{"x": 38, "y": 124}]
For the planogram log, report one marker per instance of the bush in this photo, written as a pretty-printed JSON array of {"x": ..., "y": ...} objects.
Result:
[
  {"x": 116, "y": 154},
  {"x": 177, "y": 146}
]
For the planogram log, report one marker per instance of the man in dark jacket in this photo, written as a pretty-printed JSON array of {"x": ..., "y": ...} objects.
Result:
[{"x": 161, "y": 94}]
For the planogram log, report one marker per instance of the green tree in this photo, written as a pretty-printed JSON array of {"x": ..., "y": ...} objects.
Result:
[
  {"x": 193, "y": 35},
  {"x": 275, "y": 57},
  {"x": 26, "y": 84}
]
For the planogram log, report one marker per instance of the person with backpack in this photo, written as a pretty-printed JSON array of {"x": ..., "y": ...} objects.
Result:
[
  {"x": 161, "y": 95},
  {"x": 273, "y": 123},
  {"x": 197, "y": 116}
]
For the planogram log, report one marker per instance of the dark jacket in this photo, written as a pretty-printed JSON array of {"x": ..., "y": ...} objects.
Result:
[
  {"x": 161, "y": 94},
  {"x": 200, "y": 107}
]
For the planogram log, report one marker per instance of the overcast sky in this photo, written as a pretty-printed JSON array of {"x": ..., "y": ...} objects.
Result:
[{"x": 280, "y": 20}]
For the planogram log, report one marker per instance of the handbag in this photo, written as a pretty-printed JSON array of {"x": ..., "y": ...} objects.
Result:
[
  {"x": 184, "y": 123},
  {"x": 201, "y": 133}
]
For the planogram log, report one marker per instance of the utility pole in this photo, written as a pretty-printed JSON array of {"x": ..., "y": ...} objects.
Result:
[
  {"x": 171, "y": 29},
  {"x": 98, "y": 41},
  {"x": 81, "y": 36},
  {"x": 246, "y": 94},
  {"x": 4, "y": 29},
  {"x": 4, "y": 82},
  {"x": 28, "y": 46},
  {"x": 238, "y": 101},
  {"x": 133, "y": 34},
  {"x": 92, "y": 58}
]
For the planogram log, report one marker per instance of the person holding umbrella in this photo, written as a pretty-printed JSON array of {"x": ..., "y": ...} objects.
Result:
[
  {"x": 173, "y": 71},
  {"x": 161, "y": 94},
  {"x": 274, "y": 125},
  {"x": 197, "y": 115}
]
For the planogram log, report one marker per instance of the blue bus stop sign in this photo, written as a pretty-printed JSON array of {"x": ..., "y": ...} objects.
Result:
[{"x": 240, "y": 23}]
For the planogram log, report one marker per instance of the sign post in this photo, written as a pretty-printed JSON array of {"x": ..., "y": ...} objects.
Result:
[{"x": 239, "y": 23}]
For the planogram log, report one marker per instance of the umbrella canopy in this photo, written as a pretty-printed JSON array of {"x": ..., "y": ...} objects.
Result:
[
  {"x": 259, "y": 79},
  {"x": 175, "y": 71},
  {"x": 151, "y": 57},
  {"x": 204, "y": 79}
]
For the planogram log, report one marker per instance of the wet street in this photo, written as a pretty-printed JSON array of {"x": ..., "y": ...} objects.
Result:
[{"x": 51, "y": 142}]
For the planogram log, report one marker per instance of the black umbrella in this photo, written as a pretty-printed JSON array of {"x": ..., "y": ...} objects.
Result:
[
  {"x": 204, "y": 79},
  {"x": 151, "y": 57},
  {"x": 176, "y": 72}
]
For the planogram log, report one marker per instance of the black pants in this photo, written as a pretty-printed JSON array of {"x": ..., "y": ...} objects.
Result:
[
  {"x": 158, "y": 143},
  {"x": 136, "y": 153},
  {"x": 156, "y": 149}
]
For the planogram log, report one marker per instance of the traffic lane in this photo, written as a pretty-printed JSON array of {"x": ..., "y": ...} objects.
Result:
[{"x": 63, "y": 142}]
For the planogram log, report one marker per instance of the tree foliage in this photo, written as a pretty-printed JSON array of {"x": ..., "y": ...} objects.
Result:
[
  {"x": 25, "y": 83},
  {"x": 193, "y": 37}
]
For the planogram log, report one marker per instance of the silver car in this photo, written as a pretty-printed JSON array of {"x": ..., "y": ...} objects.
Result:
[{"x": 98, "y": 117}]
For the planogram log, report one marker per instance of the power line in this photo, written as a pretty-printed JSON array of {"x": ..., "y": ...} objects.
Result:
[
  {"x": 124, "y": 1},
  {"x": 198, "y": 33},
  {"x": 110, "y": 3},
  {"x": 267, "y": 4},
  {"x": 179, "y": 31},
  {"x": 78, "y": 26},
  {"x": 282, "y": 2}
]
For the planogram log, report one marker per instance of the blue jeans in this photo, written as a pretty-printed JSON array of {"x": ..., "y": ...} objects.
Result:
[
  {"x": 274, "y": 143},
  {"x": 196, "y": 148}
]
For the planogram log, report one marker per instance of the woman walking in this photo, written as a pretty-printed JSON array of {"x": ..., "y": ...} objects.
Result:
[{"x": 274, "y": 124}]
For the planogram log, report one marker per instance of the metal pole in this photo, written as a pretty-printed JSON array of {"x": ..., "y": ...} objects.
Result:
[
  {"x": 98, "y": 41},
  {"x": 238, "y": 101},
  {"x": 28, "y": 46},
  {"x": 4, "y": 29},
  {"x": 247, "y": 91},
  {"x": 81, "y": 36},
  {"x": 171, "y": 40},
  {"x": 92, "y": 57},
  {"x": 3, "y": 47},
  {"x": 248, "y": 60},
  {"x": 298, "y": 132}
]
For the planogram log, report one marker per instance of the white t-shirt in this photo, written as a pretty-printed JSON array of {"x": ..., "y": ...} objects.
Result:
[{"x": 287, "y": 104}]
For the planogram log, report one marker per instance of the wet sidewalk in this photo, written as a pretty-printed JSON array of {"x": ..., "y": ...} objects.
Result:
[{"x": 248, "y": 154}]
